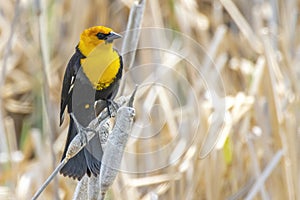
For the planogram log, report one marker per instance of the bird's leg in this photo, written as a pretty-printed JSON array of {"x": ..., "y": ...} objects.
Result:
[
  {"x": 109, "y": 104},
  {"x": 113, "y": 104},
  {"x": 107, "y": 107},
  {"x": 82, "y": 131},
  {"x": 99, "y": 106}
]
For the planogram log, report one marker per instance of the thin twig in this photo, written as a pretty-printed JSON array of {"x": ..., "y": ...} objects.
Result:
[{"x": 49, "y": 179}]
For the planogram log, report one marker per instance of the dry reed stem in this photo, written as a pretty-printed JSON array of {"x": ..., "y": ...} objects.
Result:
[
  {"x": 241, "y": 22},
  {"x": 254, "y": 47},
  {"x": 46, "y": 70},
  {"x": 7, "y": 51},
  {"x": 260, "y": 181},
  {"x": 132, "y": 33}
]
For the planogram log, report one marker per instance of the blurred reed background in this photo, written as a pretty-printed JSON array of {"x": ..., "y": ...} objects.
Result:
[{"x": 223, "y": 75}]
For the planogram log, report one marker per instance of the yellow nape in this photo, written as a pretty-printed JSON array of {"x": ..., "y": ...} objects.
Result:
[
  {"x": 89, "y": 40},
  {"x": 101, "y": 66}
]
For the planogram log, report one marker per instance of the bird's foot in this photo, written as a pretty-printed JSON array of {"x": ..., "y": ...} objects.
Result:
[
  {"x": 82, "y": 131},
  {"x": 114, "y": 106}
]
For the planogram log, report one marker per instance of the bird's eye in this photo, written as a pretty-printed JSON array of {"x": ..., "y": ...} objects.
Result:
[{"x": 101, "y": 36}]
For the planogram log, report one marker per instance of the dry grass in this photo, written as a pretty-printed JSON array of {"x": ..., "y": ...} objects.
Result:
[{"x": 227, "y": 79}]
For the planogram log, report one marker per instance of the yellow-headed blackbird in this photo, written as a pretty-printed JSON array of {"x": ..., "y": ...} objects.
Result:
[{"x": 92, "y": 74}]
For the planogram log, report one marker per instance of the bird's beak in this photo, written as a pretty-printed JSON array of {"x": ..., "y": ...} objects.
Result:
[{"x": 112, "y": 36}]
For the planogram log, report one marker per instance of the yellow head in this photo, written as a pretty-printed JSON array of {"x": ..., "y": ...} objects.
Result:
[{"x": 94, "y": 36}]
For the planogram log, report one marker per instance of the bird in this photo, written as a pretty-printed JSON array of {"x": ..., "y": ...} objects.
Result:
[{"x": 93, "y": 73}]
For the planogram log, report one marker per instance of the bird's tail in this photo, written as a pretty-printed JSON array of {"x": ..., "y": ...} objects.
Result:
[
  {"x": 76, "y": 167},
  {"x": 88, "y": 160}
]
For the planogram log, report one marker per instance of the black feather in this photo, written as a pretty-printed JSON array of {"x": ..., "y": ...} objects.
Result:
[{"x": 77, "y": 93}]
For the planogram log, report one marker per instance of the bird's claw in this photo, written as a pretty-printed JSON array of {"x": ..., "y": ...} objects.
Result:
[
  {"x": 114, "y": 106},
  {"x": 82, "y": 131}
]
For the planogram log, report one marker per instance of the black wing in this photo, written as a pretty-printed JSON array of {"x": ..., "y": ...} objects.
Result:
[{"x": 69, "y": 78}]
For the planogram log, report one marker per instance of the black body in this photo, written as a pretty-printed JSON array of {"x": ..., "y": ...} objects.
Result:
[{"x": 77, "y": 93}]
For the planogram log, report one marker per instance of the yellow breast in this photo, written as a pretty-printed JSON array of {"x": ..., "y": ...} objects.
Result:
[{"x": 101, "y": 66}]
